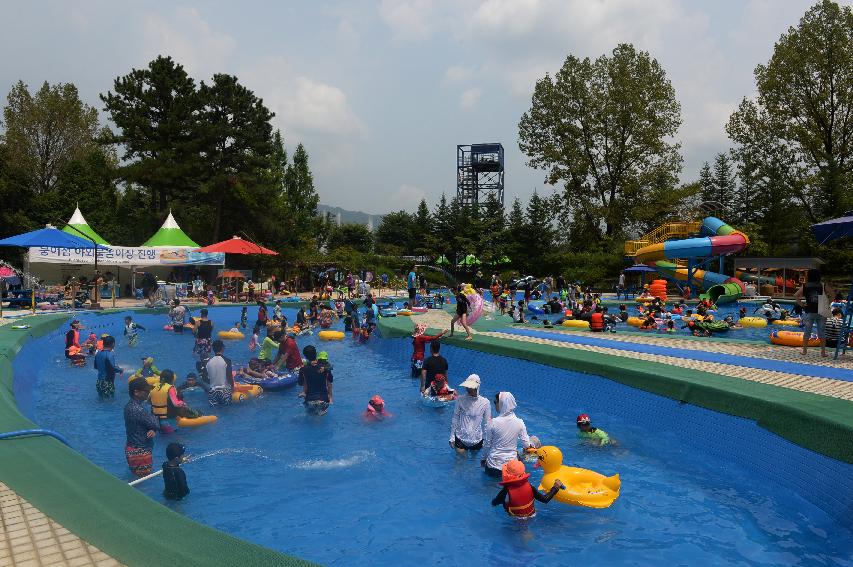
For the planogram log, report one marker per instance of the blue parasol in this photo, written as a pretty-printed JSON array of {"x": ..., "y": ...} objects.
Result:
[
  {"x": 49, "y": 237},
  {"x": 834, "y": 228}
]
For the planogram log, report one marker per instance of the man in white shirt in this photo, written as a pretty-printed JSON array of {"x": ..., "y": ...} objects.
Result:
[
  {"x": 471, "y": 416},
  {"x": 500, "y": 442}
]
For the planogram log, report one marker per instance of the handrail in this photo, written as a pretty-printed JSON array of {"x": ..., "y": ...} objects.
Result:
[
  {"x": 662, "y": 233},
  {"x": 29, "y": 432}
]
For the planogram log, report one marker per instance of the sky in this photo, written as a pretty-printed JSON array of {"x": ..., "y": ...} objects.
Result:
[{"x": 380, "y": 93}]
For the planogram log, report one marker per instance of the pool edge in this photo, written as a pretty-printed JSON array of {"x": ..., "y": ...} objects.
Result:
[{"x": 94, "y": 504}]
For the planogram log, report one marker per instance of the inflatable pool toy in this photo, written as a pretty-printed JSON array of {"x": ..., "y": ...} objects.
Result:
[
  {"x": 576, "y": 324},
  {"x": 438, "y": 401},
  {"x": 419, "y": 309},
  {"x": 714, "y": 326},
  {"x": 168, "y": 328},
  {"x": 20, "y": 327},
  {"x": 196, "y": 421},
  {"x": 331, "y": 335},
  {"x": 753, "y": 322},
  {"x": 644, "y": 299},
  {"x": 635, "y": 321},
  {"x": 583, "y": 487},
  {"x": 230, "y": 336},
  {"x": 280, "y": 382},
  {"x": 787, "y": 322},
  {"x": 251, "y": 390},
  {"x": 792, "y": 339},
  {"x": 237, "y": 397},
  {"x": 475, "y": 303},
  {"x": 535, "y": 309},
  {"x": 404, "y": 312}
]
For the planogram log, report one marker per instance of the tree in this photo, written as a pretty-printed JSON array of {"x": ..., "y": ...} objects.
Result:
[
  {"x": 706, "y": 183},
  {"x": 805, "y": 100},
  {"x": 351, "y": 235},
  {"x": 603, "y": 128},
  {"x": 538, "y": 235},
  {"x": 45, "y": 131},
  {"x": 394, "y": 236},
  {"x": 237, "y": 149},
  {"x": 301, "y": 199},
  {"x": 157, "y": 112},
  {"x": 492, "y": 224}
]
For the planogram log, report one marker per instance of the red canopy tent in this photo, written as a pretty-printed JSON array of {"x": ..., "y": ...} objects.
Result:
[{"x": 236, "y": 245}]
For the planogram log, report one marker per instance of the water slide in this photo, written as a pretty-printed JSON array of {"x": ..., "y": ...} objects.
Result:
[{"x": 717, "y": 239}]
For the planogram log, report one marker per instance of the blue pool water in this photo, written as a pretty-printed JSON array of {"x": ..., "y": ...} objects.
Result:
[{"x": 698, "y": 487}]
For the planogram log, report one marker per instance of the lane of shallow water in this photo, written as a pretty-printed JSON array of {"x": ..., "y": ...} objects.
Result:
[{"x": 339, "y": 490}]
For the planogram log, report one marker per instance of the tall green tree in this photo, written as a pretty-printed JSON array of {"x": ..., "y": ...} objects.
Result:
[
  {"x": 301, "y": 198},
  {"x": 805, "y": 99},
  {"x": 46, "y": 130},
  {"x": 603, "y": 129},
  {"x": 156, "y": 111},
  {"x": 706, "y": 182},
  {"x": 395, "y": 234},
  {"x": 538, "y": 236},
  {"x": 351, "y": 235},
  {"x": 725, "y": 184},
  {"x": 237, "y": 150}
]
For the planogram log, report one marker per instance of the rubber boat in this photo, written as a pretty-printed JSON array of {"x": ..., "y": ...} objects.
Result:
[
  {"x": 583, "y": 487},
  {"x": 280, "y": 382},
  {"x": 792, "y": 339},
  {"x": 230, "y": 336},
  {"x": 331, "y": 335},
  {"x": 196, "y": 421}
]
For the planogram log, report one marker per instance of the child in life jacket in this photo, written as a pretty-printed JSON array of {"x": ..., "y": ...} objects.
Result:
[
  {"x": 517, "y": 494},
  {"x": 376, "y": 409},
  {"x": 439, "y": 389}
]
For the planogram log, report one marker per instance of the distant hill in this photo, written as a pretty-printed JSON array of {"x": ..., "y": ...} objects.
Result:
[{"x": 350, "y": 216}]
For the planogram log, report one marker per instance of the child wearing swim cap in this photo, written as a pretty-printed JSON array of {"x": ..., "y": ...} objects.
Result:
[{"x": 591, "y": 434}]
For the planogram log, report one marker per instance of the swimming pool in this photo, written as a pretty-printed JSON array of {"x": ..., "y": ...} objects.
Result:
[{"x": 699, "y": 487}]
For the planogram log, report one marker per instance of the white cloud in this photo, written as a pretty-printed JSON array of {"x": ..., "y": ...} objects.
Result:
[
  {"x": 457, "y": 73},
  {"x": 189, "y": 39},
  {"x": 405, "y": 197},
  {"x": 409, "y": 20},
  {"x": 302, "y": 104},
  {"x": 470, "y": 98}
]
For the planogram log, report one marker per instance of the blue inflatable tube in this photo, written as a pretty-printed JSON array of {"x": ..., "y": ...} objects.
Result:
[{"x": 281, "y": 382}]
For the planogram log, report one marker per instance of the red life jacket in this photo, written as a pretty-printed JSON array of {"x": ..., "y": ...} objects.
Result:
[
  {"x": 596, "y": 322},
  {"x": 520, "y": 499}
]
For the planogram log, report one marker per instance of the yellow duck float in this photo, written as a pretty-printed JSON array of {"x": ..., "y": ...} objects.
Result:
[{"x": 583, "y": 487}]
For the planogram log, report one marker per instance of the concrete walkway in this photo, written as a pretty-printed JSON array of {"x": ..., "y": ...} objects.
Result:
[{"x": 29, "y": 538}]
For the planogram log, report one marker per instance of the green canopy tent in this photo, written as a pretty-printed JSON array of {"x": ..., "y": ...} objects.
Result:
[
  {"x": 503, "y": 260},
  {"x": 78, "y": 226},
  {"x": 442, "y": 261},
  {"x": 170, "y": 235},
  {"x": 469, "y": 261}
]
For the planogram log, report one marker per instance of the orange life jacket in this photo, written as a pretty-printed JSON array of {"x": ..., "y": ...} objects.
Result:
[{"x": 596, "y": 322}]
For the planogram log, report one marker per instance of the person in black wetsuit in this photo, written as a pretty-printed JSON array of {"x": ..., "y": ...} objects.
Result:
[
  {"x": 174, "y": 478},
  {"x": 461, "y": 313}
]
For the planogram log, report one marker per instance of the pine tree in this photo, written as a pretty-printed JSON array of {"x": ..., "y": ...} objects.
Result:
[
  {"x": 725, "y": 186},
  {"x": 706, "y": 182},
  {"x": 301, "y": 197}
]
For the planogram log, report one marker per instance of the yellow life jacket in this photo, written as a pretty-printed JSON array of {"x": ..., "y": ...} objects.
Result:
[{"x": 160, "y": 400}]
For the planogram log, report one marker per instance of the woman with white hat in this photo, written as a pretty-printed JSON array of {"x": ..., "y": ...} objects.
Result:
[{"x": 471, "y": 416}]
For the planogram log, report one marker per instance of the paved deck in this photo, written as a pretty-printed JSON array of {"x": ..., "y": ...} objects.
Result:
[{"x": 29, "y": 538}]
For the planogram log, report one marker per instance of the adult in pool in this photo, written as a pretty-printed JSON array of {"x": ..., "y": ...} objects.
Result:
[
  {"x": 288, "y": 354},
  {"x": 501, "y": 438},
  {"x": 220, "y": 376},
  {"x": 105, "y": 364},
  {"x": 140, "y": 427},
  {"x": 462, "y": 307},
  {"x": 419, "y": 342},
  {"x": 517, "y": 494},
  {"x": 316, "y": 381},
  {"x": 471, "y": 416}
]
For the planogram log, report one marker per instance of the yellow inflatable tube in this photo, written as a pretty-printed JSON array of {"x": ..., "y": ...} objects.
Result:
[
  {"x": 404, "y": 312},
  {"x": 230, "y": 336},
  {"x": 753, "y": 322},
  {"x": 196, "y": 421},
  {"x": 331, "y": 335},
  {"x": 576, "y": 324},
  {"x": 787, "y": 322},
  {"x": 250, "y": 390},
  {"x": 583, "y": 487},
  {"x": 635, "y": 321},
  {"x": 792, "y": 339}
]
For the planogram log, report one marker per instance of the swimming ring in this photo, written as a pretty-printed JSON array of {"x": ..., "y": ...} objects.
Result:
[
  {"x": 280, "y": 382},
  {"x": 792, "y": 339},
  {"x": 576, "y": 324},
  {"x": 438, "y": 401},
  {"x": 753, "y": 322},
  {"x": 230, "y": 335},
  {"x": 331, "y": 335},
  {"x": 251, "y": 390},
  {"x": 787, "y": 322},
  {"x": 404, "y": 312},
  {"x": 635, "y": 321}
]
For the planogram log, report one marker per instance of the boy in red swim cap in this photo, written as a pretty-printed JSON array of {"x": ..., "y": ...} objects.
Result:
[
  {"x": 517, "y": 494},
  {"x": 376, "y": 409},
  {"x": 589, "y": 433}
]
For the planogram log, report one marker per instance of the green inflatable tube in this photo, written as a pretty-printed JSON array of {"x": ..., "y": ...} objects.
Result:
[
  {"x": 724, "y": 293},
  {"x": 713, "y": 326}
]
